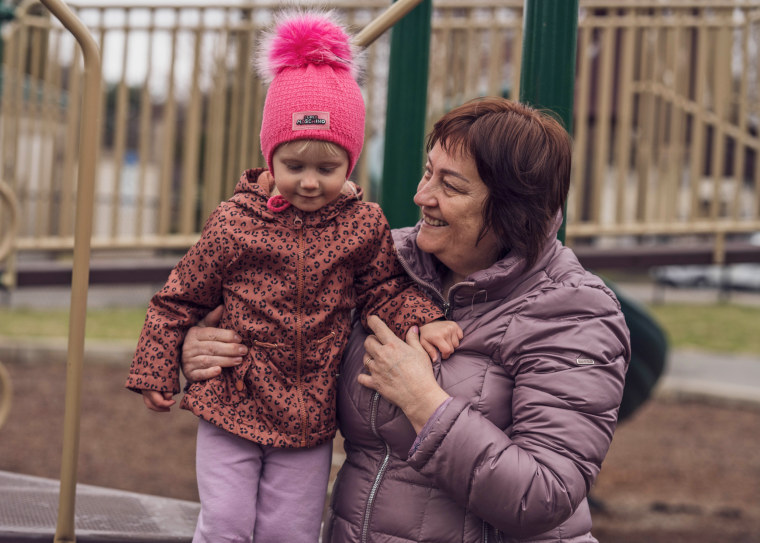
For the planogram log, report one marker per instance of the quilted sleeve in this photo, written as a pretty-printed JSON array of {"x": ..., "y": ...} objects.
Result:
[
  {"x": 193, "y": 289},
  {"x": 385, "y": 289},
  {"x": 567, "y": 355}
]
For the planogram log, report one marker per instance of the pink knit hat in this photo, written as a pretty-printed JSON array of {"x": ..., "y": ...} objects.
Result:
[{"x": 313, "y": 93}]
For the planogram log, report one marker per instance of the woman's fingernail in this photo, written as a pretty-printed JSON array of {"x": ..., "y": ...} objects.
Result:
[
  {"x": 242, "y": 350},
  {"x": 238, "y": 339},
  {"x": 415, "y": 329}
]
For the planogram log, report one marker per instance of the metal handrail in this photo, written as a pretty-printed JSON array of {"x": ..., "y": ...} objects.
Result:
[
  {"x": 81, "y": 270},
  {"x": 387, "y": 19},
  {"x": 6, "y": 393}
]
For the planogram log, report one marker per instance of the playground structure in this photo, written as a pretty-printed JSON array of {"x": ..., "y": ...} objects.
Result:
[
  {"x": 666, "y": 119},
  {"x": 177, "y": 225}
]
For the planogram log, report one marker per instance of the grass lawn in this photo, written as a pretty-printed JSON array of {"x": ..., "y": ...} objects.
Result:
[
  {"x": 715, "y": 327},
  {"x": 102, "y": 324}
]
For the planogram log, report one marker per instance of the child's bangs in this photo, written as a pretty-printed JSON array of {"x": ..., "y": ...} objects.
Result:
[{"x": 324, "y": 147}]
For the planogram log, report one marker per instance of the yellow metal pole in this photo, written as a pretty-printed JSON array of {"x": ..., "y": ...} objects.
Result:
[
  {"x": 6, "y": 394},
  {"x": 387, "y": 19},
  {"x": 81, "y": 265},
  {"x": 8, "y": 238}
]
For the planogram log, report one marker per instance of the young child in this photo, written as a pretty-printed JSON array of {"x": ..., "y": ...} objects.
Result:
[{"x": 288, "y": 269}]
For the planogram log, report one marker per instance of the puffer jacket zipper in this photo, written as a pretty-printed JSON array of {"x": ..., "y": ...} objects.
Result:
[
  {"x": 380, "y": 472},
  {"x": 445, "y": 303},
  {"x": 299, "y": 226}
]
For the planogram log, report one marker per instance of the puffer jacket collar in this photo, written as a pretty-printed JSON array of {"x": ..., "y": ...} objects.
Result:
[
  {"x": 252, "y": 193},
  {"x": 500, "y": 281}
]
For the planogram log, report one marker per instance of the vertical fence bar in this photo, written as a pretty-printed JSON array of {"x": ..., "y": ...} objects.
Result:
[
  {"x": 169, "y": 139},
  {"x": 191, "y": 144},
  {"x": 740, "y": 141},
  {"x": 675, "y": 146},
  {"x": 602, "y": 123},
  {"x": 720, "y": 106},
  {"x": 496, "y": 58},
  {"x": 647, "y": 118},
  {"x": 144, "y": 147},
  {"x": 696, "y": 149},
  {"x": 120, "y": 133},
  {"x": 623, "y": 130}
]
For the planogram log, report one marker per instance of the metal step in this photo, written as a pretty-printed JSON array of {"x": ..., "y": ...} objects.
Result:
[{"x": 29, "y": 510}]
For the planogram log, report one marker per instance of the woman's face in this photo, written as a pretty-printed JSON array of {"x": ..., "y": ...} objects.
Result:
[{"x": 451, "y": 196}]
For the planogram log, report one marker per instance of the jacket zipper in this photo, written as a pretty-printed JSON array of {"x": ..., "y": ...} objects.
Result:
[
  {"x": 374, "y": 405},
  {"x": 446, "y": 303},
  {"x": 380, "y": 472},
  {"x": 487, "y": 529},
  {"x": 298, "y": 223}
]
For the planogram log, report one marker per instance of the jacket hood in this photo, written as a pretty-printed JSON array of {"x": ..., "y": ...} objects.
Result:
[{"x": 252, "y": 192}]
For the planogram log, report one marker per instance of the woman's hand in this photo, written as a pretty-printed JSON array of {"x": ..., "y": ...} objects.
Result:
[
  {"x": 401, "y": 372},
  {"x": 207, "y": 349}
]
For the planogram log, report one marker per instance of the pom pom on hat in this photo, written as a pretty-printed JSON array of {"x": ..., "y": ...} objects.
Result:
[
  {"x": 309, "y": 62},
  {"x": 302, "y": 38}
]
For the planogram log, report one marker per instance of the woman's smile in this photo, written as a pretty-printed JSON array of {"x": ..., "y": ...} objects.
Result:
[{"x": 433, "y": 221}]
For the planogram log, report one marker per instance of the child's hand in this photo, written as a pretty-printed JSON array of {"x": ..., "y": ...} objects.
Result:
[
  {"x": 158, "y": 401},
  {"x": 440, "y": 336}
]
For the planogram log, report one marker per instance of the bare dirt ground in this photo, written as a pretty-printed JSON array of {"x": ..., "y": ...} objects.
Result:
[{"x": 677, "y": 471}]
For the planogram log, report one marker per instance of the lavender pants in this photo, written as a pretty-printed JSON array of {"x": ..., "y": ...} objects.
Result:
[{"x": 250, "y": 489}]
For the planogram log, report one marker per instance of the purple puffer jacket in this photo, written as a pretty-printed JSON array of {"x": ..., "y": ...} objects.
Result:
[{"x": 536, "y": 385}]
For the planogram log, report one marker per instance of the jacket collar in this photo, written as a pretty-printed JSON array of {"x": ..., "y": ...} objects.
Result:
[{"x": 498, "y": 281}]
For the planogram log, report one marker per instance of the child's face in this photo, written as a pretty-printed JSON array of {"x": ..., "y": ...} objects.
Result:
[{"x": 309, "y": 178}]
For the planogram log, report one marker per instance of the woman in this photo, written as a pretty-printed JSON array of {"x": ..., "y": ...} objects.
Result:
[{"x": 502, "y": 441}]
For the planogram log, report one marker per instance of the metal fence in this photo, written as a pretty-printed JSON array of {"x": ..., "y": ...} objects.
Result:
[{"x": 666, "y": 118}]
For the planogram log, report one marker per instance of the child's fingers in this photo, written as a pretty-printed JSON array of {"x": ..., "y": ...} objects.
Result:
[
  {"x": 157, "y": 401},
  {"x": 446, "y": 351},
  {"x": 430, "y": 349}
]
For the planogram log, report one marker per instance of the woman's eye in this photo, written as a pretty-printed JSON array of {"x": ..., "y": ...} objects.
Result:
[{"x": 450, "y": 187}]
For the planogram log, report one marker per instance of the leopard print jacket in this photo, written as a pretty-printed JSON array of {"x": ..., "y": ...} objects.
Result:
[{"x": 288, "y": 281}]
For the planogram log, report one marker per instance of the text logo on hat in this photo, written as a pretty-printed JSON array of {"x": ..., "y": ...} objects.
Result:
[{"x": 311, "y": 120}]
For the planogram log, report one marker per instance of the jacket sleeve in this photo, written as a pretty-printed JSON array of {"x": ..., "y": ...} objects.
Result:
[
  {"x": 385, "y": 289},
  {"x": 567, "y": 356},
  {"x": 194, "y": 288}
]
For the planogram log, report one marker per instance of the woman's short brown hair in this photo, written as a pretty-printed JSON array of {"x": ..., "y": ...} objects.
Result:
[{"x": 523, "y": 156}]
